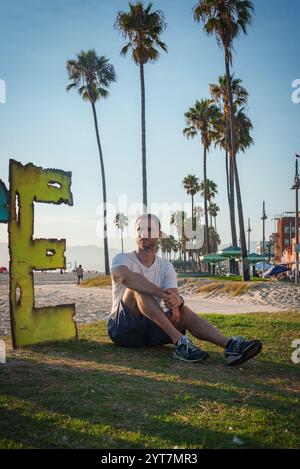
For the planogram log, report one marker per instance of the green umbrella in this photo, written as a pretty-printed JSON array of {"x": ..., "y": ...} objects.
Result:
[
  {"x": 213, "y": 258},
  {"x": 231, "y": 251},
  {"x": 254, "y": 258}
]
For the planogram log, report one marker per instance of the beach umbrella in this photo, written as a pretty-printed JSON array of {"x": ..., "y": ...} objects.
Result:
[
  {"x": 254, "y": 258},
  {"x": 231, "y": 251},
  {"x": 213, "y": 258},
  {"x": 275, "y": 269}
]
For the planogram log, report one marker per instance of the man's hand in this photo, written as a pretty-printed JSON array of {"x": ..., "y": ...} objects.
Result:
[
  {"x": 171, "y": 299},
  {"x": 175, "y": 316}
]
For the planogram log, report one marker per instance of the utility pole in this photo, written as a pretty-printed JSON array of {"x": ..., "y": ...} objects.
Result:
[{"x": 296, "y": 187}]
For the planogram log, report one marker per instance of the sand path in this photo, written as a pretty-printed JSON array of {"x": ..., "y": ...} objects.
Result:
[{"x": 93, "y": 304}]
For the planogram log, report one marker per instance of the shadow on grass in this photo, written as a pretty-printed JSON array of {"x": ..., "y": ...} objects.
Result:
[
  {"x": 33, "y": 431},
  {"x": 57, "y": 404},
  {"x": 70, "y": 415},
  {"x": 91, "y": 393},
  {"x": 159, "y": 360}
]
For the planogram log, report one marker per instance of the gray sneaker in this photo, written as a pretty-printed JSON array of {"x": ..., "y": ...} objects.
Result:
[
  {"x": 186, "y": 351},
  {"x": 238, "y": 350}
]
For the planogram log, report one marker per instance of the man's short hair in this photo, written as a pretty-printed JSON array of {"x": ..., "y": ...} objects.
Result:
[{"x": 149, "y": 216}]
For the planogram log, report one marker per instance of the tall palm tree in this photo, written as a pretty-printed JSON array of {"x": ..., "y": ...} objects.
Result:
[
  {"x": 219, "y": 93},
  {"x": 208, "y": 190},
  {"x": 174, "y": 246},
  {"x": 91, "y": 76},
  {"x": 243, "y": 126},
  {"x": 178, "y": 219},
  {"x": 201, "y": 119},
  {"x": 213, "y": 210},
  {"x": 163, "y": 244},
  {"x": 214, "y": 239},
  {"x": 191, "y": 186},
  {"x": 121, "y": 221},
  {"x": 226, "y": 19},
  {"x": 142, "y": 27}
]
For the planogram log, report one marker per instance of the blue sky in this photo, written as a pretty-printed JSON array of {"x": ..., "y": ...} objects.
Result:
[{"x": 41, "y": 123}]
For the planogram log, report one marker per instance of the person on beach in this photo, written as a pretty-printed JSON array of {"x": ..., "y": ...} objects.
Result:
[
  {"x": 79, "y": 273},
  {"x": 147, "y": 309}
]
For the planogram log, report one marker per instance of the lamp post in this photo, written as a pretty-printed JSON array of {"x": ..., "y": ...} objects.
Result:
[
  {"x": 264, "y": 217},
  {"x": 249, "y": 231},
  {"x": 296, "y": 187}
]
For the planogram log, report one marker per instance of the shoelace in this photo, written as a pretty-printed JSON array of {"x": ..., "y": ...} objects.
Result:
[
  {"x": 188, "y": 346},
  {"x": 237, "y": 342}
]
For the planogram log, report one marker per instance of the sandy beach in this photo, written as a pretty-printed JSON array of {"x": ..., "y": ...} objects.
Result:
[{"x": 93, "y": 303}]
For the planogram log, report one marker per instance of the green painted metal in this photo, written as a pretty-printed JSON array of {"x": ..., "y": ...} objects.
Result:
[{"x": 31, "y": 325}]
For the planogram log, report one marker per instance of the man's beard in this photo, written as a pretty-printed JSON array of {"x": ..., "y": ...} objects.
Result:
[{"x": 147, "y": 247}]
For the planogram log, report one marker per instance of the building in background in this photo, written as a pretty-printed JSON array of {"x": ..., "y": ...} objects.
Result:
[
  {"x": 267, "y": 251},
  {"x": 280, "y": 247},
  {"x": 284, "y": 235},
  {"x": 272, "y": 246}
]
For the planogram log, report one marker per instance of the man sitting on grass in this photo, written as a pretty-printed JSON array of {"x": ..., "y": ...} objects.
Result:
[{"x": 148, "y": 310}]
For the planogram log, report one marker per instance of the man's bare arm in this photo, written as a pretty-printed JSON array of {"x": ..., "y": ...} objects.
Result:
[
  {"x": 174, "y": 300},
  {"x": 137, "y": 282}
]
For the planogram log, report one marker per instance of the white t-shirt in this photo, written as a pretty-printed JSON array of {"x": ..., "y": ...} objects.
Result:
[{"x": 161, "y": 273}]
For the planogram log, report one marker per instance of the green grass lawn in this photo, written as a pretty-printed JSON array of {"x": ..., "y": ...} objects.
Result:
[
  {"x": 92, "y": 394},
  {"x": 235, "y": 278},
  {"x": 231, "y": 278}
]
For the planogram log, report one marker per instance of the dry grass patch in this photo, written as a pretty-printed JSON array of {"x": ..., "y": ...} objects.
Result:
[
  {"x": 102, "y": 281},
  {"x": 233, "y": 288}
]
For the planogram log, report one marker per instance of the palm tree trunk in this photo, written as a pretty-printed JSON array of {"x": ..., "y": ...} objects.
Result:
[
  {"x": 230, "y": 188},
  {"x": 226, "y": 160},
  {"x": 193, "y": 228},
  {"x": 206, "y": 239},
  {"x": 232, "y": 201},
  {"x": 210, "y": 215},
  {"x": 122, "y": 242},
  {"x": 144, "y": 163},
  {"x": 193, "y": 223},
  {"x": 245, "y": 264},
  {"x": 106, "y": 254}
]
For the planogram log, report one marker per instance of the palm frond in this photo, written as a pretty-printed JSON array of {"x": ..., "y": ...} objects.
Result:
[{"x": 91, "y": 75}]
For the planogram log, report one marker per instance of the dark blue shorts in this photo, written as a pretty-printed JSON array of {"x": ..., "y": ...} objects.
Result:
[{"x": 127, "y": 330}]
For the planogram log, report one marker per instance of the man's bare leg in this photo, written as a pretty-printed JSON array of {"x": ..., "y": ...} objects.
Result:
[
  {"x": 200, "y": 328},
  {"x": 145, "y": 305}
]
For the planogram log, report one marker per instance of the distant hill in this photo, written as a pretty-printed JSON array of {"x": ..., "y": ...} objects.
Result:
[{"x": 90, "y": 257}]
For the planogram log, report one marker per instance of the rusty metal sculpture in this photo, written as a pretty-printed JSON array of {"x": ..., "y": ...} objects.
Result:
[{"x": 29, "y": 184}]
